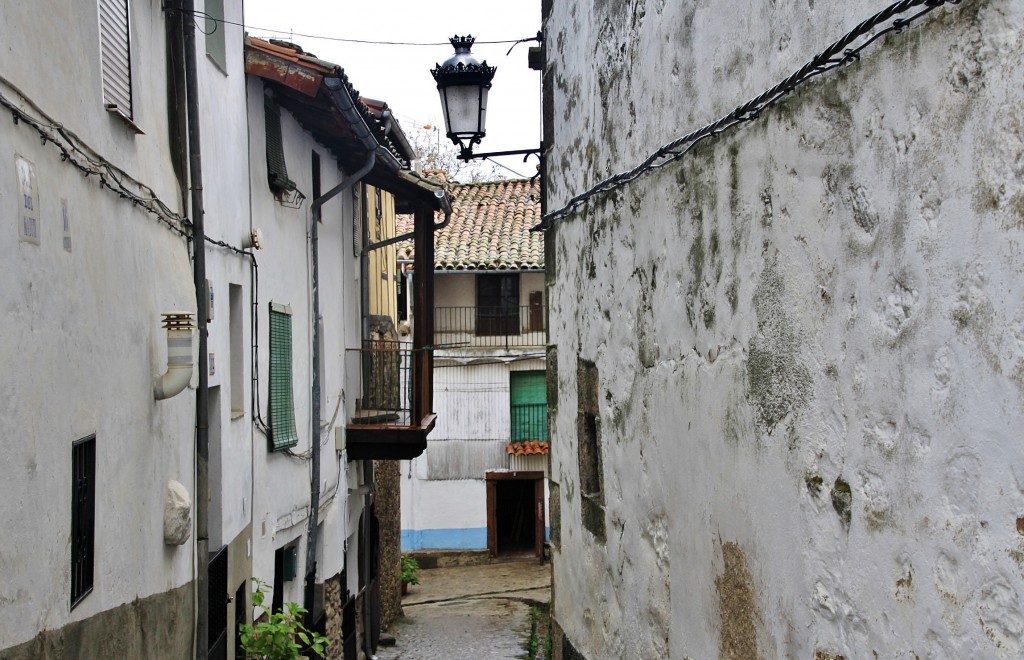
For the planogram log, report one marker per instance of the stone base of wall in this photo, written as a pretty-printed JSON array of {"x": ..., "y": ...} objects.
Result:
[
  {"x": 158, "y": 627},
  {"x": 333, "y": 603},
  {"x": 561, "y": 647},
  {"x": 388, "y": 476}
]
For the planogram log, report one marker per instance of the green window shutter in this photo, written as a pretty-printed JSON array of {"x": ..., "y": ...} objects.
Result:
[
  {"x": 282, "y": 404},
  {"x": 529, "y": 405}
]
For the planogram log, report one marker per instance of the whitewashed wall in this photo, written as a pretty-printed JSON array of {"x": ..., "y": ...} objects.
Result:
[
  {"x": 807, "y": 333},
  {"x": 282, "y": 498},
  {"x": 82, "y": 340}
]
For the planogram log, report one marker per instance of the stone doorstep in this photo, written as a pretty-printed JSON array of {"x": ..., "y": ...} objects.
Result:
[{"x": 428, "y": 559}]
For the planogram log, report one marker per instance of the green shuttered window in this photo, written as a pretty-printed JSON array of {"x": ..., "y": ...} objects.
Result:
[{"x": 282, "y": 401}]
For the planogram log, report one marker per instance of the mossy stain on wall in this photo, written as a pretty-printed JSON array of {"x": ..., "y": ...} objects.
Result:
[{"x": 778, "y": 382}]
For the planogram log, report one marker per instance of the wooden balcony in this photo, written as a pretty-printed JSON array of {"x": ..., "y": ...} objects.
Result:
[{"x": 393, "y": 414}]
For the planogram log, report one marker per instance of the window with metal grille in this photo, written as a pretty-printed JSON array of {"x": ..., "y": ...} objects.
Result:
[
  {"x": 528, "y": 394},
  {"x": 277, "y": 172},
  {"x": 115, "y": 56},
  {"x": 282, "y": 403},
  {"x": 83, "y": 517}
]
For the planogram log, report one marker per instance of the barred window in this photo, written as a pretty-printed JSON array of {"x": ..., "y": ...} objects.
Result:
[{"x": 83, "y": 517}]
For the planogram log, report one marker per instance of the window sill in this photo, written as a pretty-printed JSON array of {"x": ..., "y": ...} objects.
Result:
[
  {"x": 237, "y": 414},
  {"x": 221, "y": 66},
  {"x": 115, "y": 111}
]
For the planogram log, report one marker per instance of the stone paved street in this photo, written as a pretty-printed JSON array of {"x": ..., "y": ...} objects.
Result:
[{"x": 469, "y": 612}]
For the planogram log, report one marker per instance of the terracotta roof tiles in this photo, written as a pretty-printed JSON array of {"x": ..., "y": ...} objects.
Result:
[{"x": 489, "y": 228}]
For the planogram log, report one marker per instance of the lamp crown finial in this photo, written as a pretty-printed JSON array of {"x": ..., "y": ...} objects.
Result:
[{"x": 462, "y": 44}]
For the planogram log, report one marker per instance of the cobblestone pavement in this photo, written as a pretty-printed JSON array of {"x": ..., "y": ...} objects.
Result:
[{"x": 469, "y": 612}]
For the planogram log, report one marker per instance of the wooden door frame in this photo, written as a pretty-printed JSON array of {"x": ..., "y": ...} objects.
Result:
[{"x": 492, "y": 478}]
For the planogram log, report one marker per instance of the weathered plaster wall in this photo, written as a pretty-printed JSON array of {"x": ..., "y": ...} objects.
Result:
[
  {"x": 226, "y": 203},
  {"x": 807, "y": 334},
  {"x": 282, "y": 505},
  {"x": 82, "y": 344}
]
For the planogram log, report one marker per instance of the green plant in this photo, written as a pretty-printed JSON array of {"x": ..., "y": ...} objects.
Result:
[
  {"x": 282, "y": 635},
  {"x": 409, "y": 568}
]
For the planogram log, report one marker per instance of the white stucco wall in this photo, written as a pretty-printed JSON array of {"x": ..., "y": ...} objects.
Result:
[
  {"x": 807, "y": 333},
  {"x": 226, "y": 202},
  {"x": 281, "y": 507},
  {"x": 82, "y": 341}
]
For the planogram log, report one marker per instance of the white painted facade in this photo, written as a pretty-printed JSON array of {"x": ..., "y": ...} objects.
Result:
[
  {"x": 806, "y": 333},
  {"x": 444, "y": 492},
  {"x": 281, "y": 509},
  {"x": 83, "y": 341}
]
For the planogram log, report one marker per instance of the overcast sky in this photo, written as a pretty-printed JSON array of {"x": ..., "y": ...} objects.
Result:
[{"x": 400, "y": 75}]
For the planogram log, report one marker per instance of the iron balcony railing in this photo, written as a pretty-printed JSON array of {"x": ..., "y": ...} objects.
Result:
[
  {"x": 388, "y": 394},
  {"x": 529, "y": 422},
  {"x": 474, "y": 327}
]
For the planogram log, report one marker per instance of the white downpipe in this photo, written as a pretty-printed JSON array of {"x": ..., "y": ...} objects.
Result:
[{"x": 179, "y": 356}]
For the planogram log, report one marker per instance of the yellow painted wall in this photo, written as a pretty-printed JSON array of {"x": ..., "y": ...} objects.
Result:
[{"x": 383, "y": 269}]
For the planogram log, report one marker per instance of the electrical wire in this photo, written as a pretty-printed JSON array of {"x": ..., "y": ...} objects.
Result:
[
  {"x": 368, "y": 42},
  {"x": 838, "y": 54},
  {"x": 78, "y": 153}
]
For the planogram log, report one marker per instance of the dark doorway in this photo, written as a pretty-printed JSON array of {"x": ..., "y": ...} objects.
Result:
[
  {"x": 515, "y": 514},
  {"x": 515, "y": 519}
]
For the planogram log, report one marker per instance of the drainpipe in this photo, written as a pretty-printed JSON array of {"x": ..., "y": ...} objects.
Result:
[
  {"x": 314, "y": 479},
  {"x": 345, "y": 105},
  {"x": 195, "y": 165}
]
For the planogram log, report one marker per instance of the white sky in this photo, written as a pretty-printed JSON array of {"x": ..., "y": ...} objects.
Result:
[{"x": 400, "y": 75}]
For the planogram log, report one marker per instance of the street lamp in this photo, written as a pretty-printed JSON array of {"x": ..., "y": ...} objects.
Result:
[{"x": 463, "y": 83}]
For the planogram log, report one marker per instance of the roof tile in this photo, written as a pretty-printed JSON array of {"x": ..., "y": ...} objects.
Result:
[{"x": 489, "y": 228}]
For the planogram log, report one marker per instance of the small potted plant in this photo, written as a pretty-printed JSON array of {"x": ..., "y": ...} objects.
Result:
[{"x": 409, "y": 569}]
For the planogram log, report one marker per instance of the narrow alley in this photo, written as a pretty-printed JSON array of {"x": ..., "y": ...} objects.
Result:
[{"x": 470, "y": 612}]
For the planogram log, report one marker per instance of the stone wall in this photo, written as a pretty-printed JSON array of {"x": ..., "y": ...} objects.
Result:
[
  {"x": 388, "y": 507},
  {"x": 157, "y": 627},
  {"x": 808, "y": 334},
  {"x": 334, "y": 592}
]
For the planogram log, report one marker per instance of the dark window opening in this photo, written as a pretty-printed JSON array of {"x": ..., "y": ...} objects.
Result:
[
  {"x": 277, "y": 172},
  {"x": 241, "y": 610},
  {"x": 497, "y": 304},
  {"x": 217, "y": 589},
  {"x": 83, "y": 517},
  {"x": 589, "y": 449},
  {"x": 316, "y": 179},
  {"x": 277, "y": 601},
  {"x": 403, "y": 296}
]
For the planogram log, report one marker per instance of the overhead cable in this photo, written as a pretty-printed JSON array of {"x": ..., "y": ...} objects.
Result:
[{"x": 845, "y": 51}]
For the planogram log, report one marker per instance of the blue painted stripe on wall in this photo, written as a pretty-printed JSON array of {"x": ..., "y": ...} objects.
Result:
[{"x": 469, "y": 538}]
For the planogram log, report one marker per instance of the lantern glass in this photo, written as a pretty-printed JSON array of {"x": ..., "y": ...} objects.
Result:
[{"x": 465, "y": 111}]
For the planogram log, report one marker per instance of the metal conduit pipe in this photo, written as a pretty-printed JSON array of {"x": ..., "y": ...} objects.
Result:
[
  {"x": 314, "y": 477},
  {"x": 344, "y": 103},
  {"x": 397, "y": 239},
  {"x": 195, "y": 165}
]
